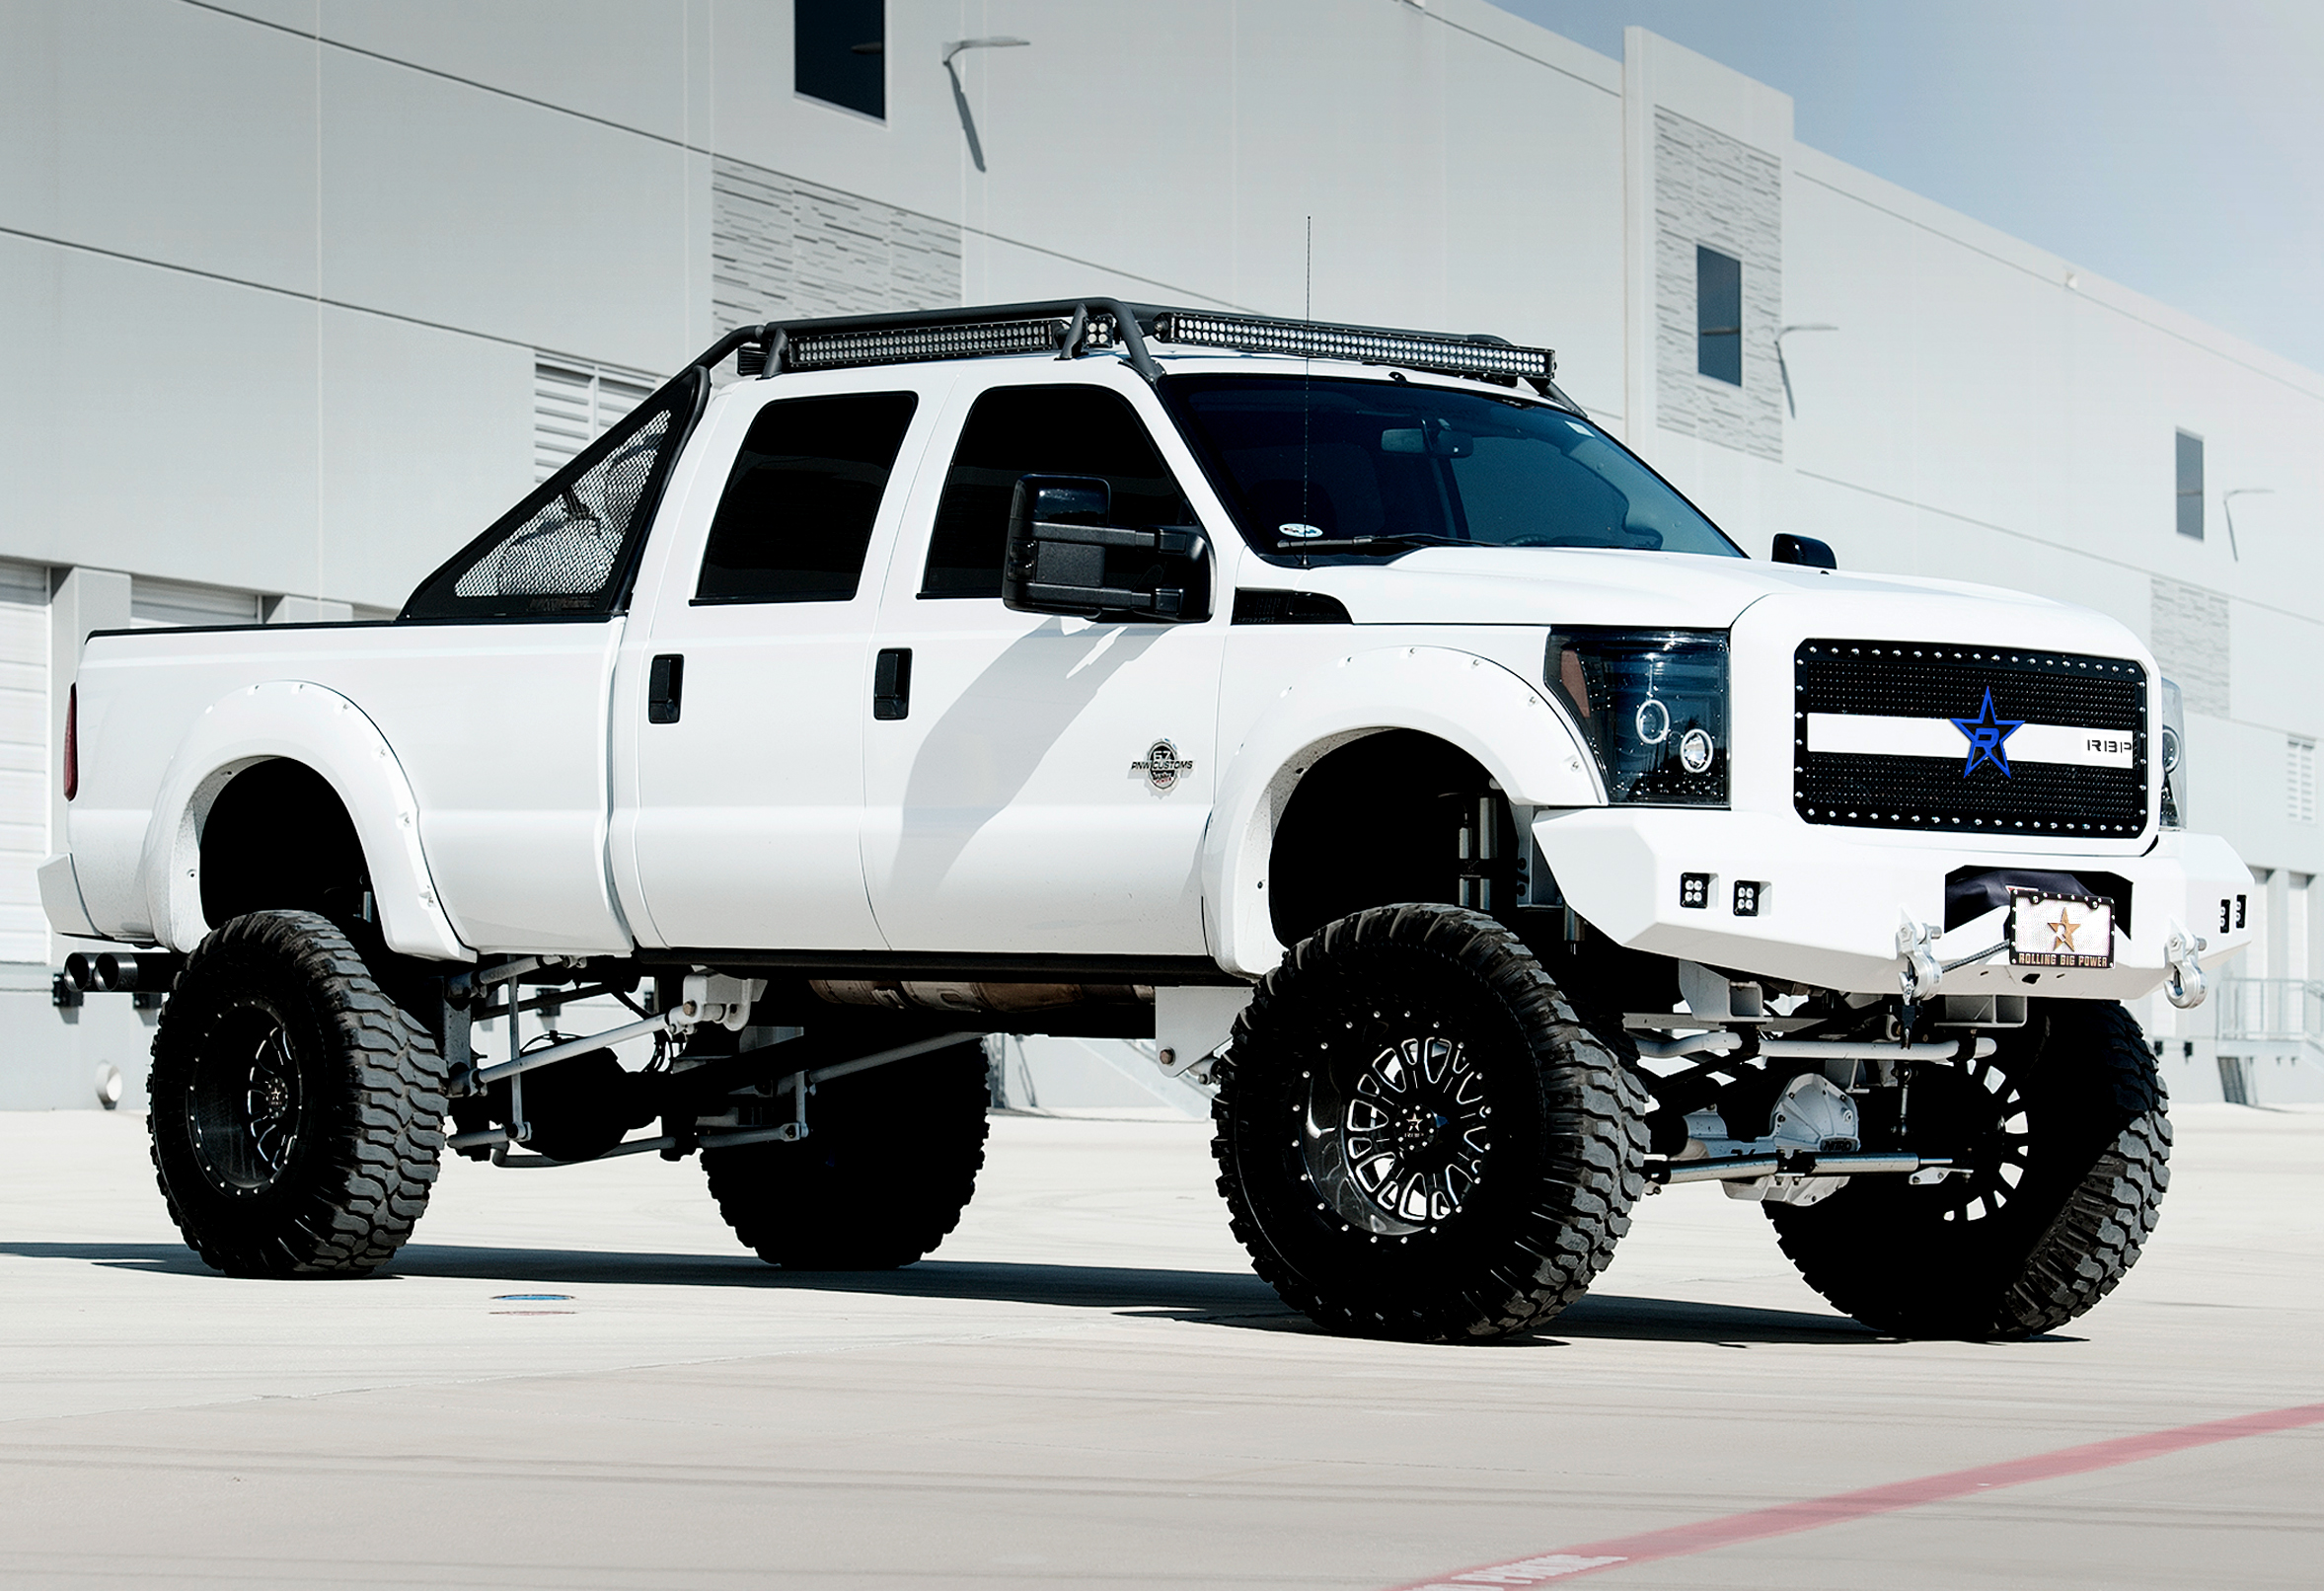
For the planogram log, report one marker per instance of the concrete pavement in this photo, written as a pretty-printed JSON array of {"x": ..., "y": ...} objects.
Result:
[{"x": 1087, "y": 1387}]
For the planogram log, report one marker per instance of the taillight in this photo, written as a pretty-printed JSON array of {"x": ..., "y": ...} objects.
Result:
[{"x": 72, "y": 742}]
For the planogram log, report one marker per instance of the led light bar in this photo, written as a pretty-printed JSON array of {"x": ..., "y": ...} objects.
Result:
[
  {"x": 1415, "y": 350},
  {"x": 830, "y": 350}
]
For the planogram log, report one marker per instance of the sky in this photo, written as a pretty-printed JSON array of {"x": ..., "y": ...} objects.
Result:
[{"x": 2175, "y": 148}]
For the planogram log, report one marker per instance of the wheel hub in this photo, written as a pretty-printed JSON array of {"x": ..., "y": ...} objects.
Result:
[{"x": 1416, "y": 1130}]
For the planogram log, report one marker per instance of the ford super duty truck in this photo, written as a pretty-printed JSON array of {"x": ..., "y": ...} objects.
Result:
[{"x": 1342, "y": 708}]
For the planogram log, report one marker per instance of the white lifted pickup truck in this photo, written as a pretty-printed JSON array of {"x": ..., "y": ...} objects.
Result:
[{"x": 1338, "y": 707}]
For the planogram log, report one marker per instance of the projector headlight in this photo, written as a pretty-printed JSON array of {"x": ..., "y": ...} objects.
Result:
[
  {"x": 2173, "y": 758},
  {"x": 1652, "y": 703}
]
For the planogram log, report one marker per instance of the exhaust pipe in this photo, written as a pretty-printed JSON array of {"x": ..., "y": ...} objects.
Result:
[
  {"x": 139, "y": 972},
  {"x": 122, "y": 971}
]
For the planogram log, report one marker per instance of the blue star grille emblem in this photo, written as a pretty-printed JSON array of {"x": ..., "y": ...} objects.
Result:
[{"x": 1988, "y": 737}]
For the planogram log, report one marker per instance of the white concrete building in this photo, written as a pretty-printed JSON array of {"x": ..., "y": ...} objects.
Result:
[{"x": 296, "y": 296}]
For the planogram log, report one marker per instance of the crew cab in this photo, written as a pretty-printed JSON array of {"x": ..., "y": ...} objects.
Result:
[{"x": 1341, "y": 708}]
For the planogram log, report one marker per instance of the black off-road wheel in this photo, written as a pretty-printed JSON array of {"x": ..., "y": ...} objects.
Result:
[
  {"x": 1416, "y": 1136},
  {"x": 2065, "y": 1133},
  {"x": 889, "y": 1163},
  {"x": 297, "y": 1112}
]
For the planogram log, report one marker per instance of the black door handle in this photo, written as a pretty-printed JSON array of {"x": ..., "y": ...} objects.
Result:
[
  {"x": 664, "y": 685},
  {"x": 891, "y": 683}
]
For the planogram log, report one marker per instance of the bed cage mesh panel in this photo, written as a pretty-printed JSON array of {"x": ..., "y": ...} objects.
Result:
[{"x": 568, "y": 548}]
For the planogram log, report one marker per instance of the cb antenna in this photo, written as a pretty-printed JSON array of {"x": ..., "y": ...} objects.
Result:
[{"x": 1307, "y": 385}]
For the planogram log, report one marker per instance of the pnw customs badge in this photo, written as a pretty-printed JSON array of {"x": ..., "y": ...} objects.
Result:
[{"x": 1162, "y": 767}]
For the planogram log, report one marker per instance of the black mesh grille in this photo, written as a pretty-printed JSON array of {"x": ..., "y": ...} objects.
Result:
[
  {"x": 569, "y": 547},
  {"x": 1893, "y": 679}
]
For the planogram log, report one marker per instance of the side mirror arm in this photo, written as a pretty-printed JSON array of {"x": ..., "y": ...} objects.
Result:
[
  {"x": 1172, "y": 540},
  {"x": 1163, "y": 602}
]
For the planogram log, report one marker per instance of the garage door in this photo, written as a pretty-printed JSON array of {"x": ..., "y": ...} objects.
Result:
[
  {"x": 24, "y": 759},
  {"x": 154, "y": 603}
]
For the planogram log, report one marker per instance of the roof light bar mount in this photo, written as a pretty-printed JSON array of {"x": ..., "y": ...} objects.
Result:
[
  {"x": 1075, "y": 326},
  {"x": 1069, "y": 327}
]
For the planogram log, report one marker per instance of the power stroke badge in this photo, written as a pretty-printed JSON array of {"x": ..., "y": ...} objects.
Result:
[{"x": 1161, "y": 767}]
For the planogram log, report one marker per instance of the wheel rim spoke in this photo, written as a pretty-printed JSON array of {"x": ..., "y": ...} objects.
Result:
[
  {"x": 1401, "y": 1148},
  {"x": 243, "y": 1100},
  {"x": 1996, "y": 1143}
]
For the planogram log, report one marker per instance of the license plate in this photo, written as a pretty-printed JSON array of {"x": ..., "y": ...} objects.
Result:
[{"x": 2059, "y": 931}]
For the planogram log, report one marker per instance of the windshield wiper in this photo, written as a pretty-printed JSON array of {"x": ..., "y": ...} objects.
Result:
[{"x": 1364, "y": 543}]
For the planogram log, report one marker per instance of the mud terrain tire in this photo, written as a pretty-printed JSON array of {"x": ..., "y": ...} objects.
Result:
[
  {"x": 889, "y": 1163},
  {"x": 297, "y": 1112},
  {"x": 2071, "y": 1099},
  {"x": 1416, "y": 1136}
]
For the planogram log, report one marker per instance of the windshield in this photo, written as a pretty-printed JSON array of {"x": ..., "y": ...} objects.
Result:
[{"x": 1315, "y": 465}]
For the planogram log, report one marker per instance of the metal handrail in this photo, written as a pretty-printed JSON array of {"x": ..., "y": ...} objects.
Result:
[{"x": 2272, "y": 1010}]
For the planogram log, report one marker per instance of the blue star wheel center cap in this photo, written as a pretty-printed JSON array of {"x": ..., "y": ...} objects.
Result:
[{"x": 1988, "y": 737}]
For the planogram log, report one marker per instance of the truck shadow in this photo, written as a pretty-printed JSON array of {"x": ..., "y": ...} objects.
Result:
[
  {"x": 1232, "y": 1299},
  {"x": 1615, "y": 1317}
]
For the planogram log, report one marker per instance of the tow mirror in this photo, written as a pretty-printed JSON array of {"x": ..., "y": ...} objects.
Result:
[
  {"x": 1805, "y": 551},
  {"x": 1065, "y": 557}
]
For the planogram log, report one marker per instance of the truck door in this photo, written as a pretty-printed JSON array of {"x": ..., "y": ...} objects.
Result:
[
  {"x": 493, "y": 692},
  {"x": 739, "y": 716},
  {"x": 1043, "y": 785}
]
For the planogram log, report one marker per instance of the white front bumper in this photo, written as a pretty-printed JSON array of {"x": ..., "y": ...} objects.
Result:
[{"x": 1830, "y": 905}]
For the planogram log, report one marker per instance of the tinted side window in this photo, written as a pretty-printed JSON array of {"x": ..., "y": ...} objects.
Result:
[
  {"x": 797, "y": 510},
  {"x": 1014, "y": 432}
]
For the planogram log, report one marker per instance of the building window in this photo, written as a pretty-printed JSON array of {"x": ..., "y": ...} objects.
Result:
[
  {"x": 837, "y": 54},
  {"x": 1718, "y": 316},
  {"x": 2190, "y": 486},
  {"x": 2300, "y": 779},
  {"x": 573, "y": 404}
]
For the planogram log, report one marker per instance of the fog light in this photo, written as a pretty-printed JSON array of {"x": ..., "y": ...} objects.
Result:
[{"x": 109, "y": 1086}]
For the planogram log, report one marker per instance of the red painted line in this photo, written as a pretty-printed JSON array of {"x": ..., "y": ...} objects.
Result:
[{"x": 1784, "y": 1519}]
